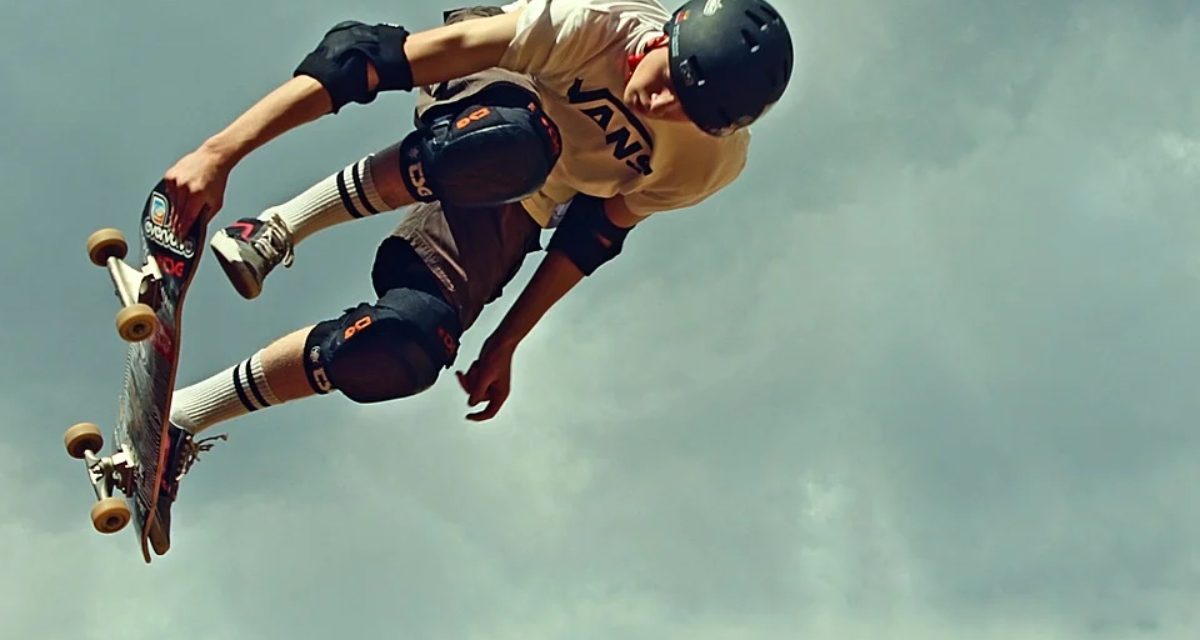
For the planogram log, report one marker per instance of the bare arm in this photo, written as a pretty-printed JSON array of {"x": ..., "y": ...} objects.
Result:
[
  {"x": 489, "y": 377},
  {"x": 435, "y": 55},
  {"x": 460, "y": 49},
  {"x": 296, "y": 102},
  {"x": 555, "y": 276},
  {"x": 197, "y": 181}
]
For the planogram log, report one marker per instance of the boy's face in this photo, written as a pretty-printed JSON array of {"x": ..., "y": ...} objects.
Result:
[{"x": 649, "y": 90}]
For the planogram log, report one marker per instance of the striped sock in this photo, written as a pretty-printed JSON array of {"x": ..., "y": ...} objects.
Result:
[
  {"x": 234, "y": 392},
  {"x": 346, "y": 195}
]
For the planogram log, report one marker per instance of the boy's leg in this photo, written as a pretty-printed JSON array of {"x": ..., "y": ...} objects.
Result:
[
  {"x": 273, "y": 375},
  {"x": 374, "y": 352},
  {"x": 433, "y": 278},
  {"x": 251, "y": 248},
  {"x": 440, "y": 159},
  {"x": 391, "y": 349}
]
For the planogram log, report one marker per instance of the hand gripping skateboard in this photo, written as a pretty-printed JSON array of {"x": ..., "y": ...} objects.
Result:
[{"x": 151, "y": 295}]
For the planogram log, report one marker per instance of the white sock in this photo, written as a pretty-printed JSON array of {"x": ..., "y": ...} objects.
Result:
[
  {"x": 346, "y": 195},
  {"x": 234, "y": 392}
]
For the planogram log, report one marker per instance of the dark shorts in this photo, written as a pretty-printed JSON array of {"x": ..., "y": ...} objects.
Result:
[{"x": 468, "y": 255}]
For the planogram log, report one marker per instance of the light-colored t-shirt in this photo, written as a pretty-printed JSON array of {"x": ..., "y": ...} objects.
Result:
[{"x": 577, "y": 53}]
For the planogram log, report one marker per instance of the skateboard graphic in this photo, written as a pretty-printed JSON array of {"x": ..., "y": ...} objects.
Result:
[{"x": 149, "y": 320}]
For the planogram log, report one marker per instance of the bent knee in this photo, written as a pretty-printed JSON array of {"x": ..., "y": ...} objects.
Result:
[
  {"x": 393, "y": 349},
  {"x": 481, "y": 155},
  {"x": 384, "y": 363}
]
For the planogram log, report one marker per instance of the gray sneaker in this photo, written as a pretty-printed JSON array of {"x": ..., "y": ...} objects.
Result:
[{"x": 249, "y": 249}]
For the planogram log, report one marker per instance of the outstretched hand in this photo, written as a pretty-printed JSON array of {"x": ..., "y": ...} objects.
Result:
[
  {"x": 488, "y": 379},
  {"x": 196, "y": 186}
]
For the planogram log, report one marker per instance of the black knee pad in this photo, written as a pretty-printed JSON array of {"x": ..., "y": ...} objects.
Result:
[
  {"x": 392, "y": 349},
  {"x": 497, "y": 148}
]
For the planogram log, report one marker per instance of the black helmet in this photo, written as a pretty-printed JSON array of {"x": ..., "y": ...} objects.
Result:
[{"x": 730, "y": 61}]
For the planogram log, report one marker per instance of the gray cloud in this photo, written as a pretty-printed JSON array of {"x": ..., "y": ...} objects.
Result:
[{"x": 924, "y": 372}]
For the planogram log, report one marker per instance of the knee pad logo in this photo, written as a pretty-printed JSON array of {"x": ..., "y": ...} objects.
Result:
[
  {"x": 319, "y": 377},
  {"x": 449, "y": 342},
  {"x": 474, "y": 116},
  {"x": 555, "y": 137},
  {"x": 322, "y": 380},
  {"x": 359, "y": 325},
  {"x": 416, "y": 177},
  {"x": 412, "y": 165},
  {"x": 549, "y": 128}
]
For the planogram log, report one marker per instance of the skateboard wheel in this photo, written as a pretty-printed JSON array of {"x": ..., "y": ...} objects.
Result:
[
  {"x": 136, "y": 322},
  {"x": 110, "y": 515},
  {"x": 82, "y": 437},
  {"x": 105, "y": 244}
]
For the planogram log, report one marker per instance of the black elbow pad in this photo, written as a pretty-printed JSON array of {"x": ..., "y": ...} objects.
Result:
[
  {"x": 340, "y": 60},
  {"x": 586, "y": 235}
]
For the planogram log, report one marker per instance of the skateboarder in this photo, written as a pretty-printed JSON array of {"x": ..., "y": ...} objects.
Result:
[{"x": 582, "y": 116}]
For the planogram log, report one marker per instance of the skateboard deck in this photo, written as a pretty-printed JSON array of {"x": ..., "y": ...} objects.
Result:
[{"x": 152, "y": 293}]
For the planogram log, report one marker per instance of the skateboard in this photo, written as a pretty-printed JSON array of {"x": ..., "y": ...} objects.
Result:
[{"x": 151, "y": 297}]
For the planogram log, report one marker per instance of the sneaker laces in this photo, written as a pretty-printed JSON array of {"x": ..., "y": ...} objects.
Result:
[
  {"x": 192, "y": 449},
  {"x": 275, "y": 243}
]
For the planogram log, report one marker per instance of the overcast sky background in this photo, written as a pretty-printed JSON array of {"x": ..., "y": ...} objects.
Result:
[{"x": 926, "y": 372}]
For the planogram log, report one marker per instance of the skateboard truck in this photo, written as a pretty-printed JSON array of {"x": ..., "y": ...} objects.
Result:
[
  {"x": 134, "y": 286},
  {"x": 139, "y": 290},
  {"x": 110, "y": 514},
  {"x": 109, "y": 472}
]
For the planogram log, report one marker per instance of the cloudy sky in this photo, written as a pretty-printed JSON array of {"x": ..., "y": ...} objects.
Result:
[{"x": 927, "y": 372}]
